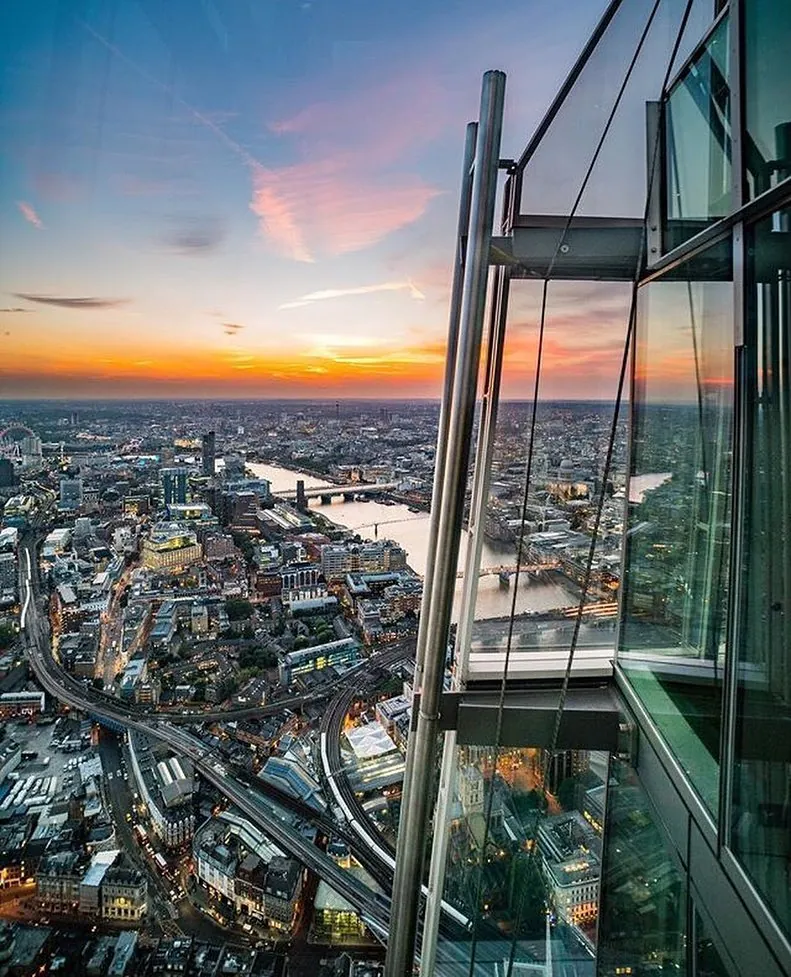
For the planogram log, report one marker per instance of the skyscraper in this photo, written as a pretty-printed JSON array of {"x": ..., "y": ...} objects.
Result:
[
  {"x": 7, "y": 475},
  {"x": 208, "y": 453},
  {"x": 174, "y": 485},
  {"x": 660, "y": 178}
]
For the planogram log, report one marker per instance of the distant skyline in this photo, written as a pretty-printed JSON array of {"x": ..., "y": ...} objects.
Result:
[{"x": 234, "y": 201}]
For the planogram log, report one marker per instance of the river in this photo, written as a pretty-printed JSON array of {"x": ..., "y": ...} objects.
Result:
[{"x": 410, "y": 530}]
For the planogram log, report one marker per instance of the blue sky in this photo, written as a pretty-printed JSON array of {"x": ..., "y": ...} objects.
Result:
[{"x": 251, "y": 197}]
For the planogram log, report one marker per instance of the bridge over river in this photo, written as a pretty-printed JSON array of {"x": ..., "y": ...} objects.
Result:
[{"x": 348, "y": 490}]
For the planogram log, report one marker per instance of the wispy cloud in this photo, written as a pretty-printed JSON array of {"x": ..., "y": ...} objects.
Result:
[
  {"x": 194, "y": 235},
  {"x": 339, "y": 293},
  {"x": 88, "y": 302},
  {"x": 328, "y": 207},
  {"x": 14, "y": 311},
  {"x": 350, "y": 185},
  {"x": 232, "y": 328},
  {"x": 29, "y": 213}
]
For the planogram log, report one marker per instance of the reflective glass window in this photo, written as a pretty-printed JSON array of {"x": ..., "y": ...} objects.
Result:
[
  {"x": 708, "y": 961},
  {"x": 524, "y": 861},
  {"x": 642, "y": 927},
  {"x": 761, "y": 816},
  {"x": 672, "y": 644},
  {"x": 767, "y": 79},
  {"x": 536, "y": 545},
  {"x": 698, "y": 142}
]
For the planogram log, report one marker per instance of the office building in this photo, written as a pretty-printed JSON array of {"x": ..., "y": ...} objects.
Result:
[
  {"x": 338, "y": 559},
  {"x": 660, "y": 183},
  {"x": 174, "y": 486},
  {"x": 246, "y": 872},
  {"x": 70, "y": 494},
  {"x": 166, "y": 786},
  {"x": 337, "y": 654},
  {"x": 67, "y": 885},
  {"x": 170, "y": 547},
  {"x": 208, "y": 454},
  {"x": 7, "y": 473},
  {"x": 8, "y": 579},
  {"x": 18, "y": 705}
]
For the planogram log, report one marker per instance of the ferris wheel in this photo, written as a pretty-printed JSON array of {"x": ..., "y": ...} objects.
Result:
[{"x": 11, "y": 441}]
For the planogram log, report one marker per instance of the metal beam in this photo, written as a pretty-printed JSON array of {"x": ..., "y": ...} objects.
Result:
[
  {"x": 435, "y": 618},
  {"x": 454, "y": 316},
  {"x": 591, "y": 718},
  {"x": 484, "y": 455},
  {"x": 586, "y": 249}
]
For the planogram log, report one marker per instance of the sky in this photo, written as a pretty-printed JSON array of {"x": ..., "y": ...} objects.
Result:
[{"x": 257, "y": 198}]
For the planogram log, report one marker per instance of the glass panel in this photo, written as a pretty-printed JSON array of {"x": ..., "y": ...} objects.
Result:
[
  {"x": 761, "y": 823},
  {"x": 525, "y": 849},
  {"x": 534, "y": 604},
  {"x": 767, "y": 81},
  {"x": 642, "y": 929},
  {"x": 555, "y": 172},
  {"x": 708, "y": 962},
  {"x": 676, "y": 564},
  {"x": 698, "y": 142}
]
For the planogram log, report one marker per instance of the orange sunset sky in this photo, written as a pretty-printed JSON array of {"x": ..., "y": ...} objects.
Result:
[{"x": 259, "y": 200}]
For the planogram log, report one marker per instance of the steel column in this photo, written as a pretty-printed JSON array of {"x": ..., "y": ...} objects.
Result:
[
  {"x": 435, "y": 617},
  {"x": 478, "y": 502},
  {"x": 447, "y": 389}
]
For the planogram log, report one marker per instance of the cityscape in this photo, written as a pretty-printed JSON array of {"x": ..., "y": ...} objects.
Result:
[
  {"x": 209, "y": 617},
  {"x": 395, "y": 503}
]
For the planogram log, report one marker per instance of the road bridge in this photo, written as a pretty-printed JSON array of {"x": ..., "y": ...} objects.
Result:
[{"x": 347, "y": 490}]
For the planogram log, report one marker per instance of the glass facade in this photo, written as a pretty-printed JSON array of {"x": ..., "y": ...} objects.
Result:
[
  {"x": 698, "y": 141},
  {"x": 767, "y": 109},
  {"x": 524, "y": 859},
  {"x": 643, "y": 927},
  {"x": 683, "y": 521},
  {"x": 678, "y": 517},
  {"x": 761, "y": 815}
]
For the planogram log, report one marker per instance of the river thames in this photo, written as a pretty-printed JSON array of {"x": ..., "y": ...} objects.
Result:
[{"x": 410, "y": 530}]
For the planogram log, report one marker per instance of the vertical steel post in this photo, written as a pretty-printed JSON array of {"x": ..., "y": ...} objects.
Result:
[
  {"x": 654, "y": 187},
  {"x": 454, "y": 315},
  {"x": 478, "y": 502},
  {"x": 435, "y": 618}
]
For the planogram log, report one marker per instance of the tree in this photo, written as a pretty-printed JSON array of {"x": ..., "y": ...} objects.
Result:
[
  {"x": 7, "y": 634},
  {"x": 567, "y": 790},
  {"x": 243, "y": 542},
  {"x": 238, "y": 609}
]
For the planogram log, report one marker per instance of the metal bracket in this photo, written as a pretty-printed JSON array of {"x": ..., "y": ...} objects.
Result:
[
  {"x": 585, "y": 248},
  {"x": 592, "y": 718}
]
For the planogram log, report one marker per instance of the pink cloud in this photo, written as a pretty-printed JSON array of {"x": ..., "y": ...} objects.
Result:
[
  {"x": 350, "y": 185},
  {"x": 29, "y": 214},
  {"x": 331, "y": 207}
]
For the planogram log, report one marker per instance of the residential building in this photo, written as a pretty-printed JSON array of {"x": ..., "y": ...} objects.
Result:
[{"x": 174, "y": 485}]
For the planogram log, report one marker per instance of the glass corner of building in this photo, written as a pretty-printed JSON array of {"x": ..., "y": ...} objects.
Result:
[{"x": 664, "y": 536}]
